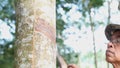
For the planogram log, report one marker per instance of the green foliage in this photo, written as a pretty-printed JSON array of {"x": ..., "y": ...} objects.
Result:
[
  {"x": 7, "y": 10},
  {"x": 72, "y": 57},
  {"x": 60, "y": 26},
  {"x": 87, "y": 5},
  {"x": 60, "y": 41},
  {"x": 95, "y": 3},
  {"x": 84, "y": 7},
  {"x": 7, "y": 14}
]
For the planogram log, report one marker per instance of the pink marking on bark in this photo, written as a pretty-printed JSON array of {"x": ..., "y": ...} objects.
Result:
[{"x": 43, "y": 27}]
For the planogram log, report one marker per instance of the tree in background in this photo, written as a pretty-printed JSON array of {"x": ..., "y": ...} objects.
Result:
[
  {"x": 88, "y": 9},
  {"x": 92, "y": 5}
]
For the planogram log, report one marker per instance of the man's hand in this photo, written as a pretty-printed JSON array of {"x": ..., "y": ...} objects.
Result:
[{"x": 72, "y": 66}]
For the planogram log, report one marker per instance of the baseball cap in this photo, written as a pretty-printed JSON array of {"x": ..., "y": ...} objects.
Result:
[{"x": 109, "y": 30}]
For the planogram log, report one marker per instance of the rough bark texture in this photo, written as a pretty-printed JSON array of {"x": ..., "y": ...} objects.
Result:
[{"x": 35, "y": 34}]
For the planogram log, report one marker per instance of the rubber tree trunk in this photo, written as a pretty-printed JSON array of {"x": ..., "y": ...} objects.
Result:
[{"x": 35, "y": 34}]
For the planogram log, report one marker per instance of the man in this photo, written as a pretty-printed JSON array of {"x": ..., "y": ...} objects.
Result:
[{"x": 112, "y": 32}]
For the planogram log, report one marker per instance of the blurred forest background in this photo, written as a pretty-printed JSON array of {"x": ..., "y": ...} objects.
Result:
[{"x": 80, "y": 31}]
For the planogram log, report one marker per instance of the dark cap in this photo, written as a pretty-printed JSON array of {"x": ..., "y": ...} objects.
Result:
[{"x": 109, "y": 30}]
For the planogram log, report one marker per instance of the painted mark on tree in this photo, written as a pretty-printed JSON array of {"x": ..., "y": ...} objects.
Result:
[{"x": 43, "y": 27}]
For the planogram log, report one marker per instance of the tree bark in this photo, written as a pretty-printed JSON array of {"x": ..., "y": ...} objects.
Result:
[
  {"x": 109, "y": 12},
  {"x": 35, "y": 34}
]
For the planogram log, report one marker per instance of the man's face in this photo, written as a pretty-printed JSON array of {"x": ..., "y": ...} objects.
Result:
[{"x": 113, "y": 48}]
